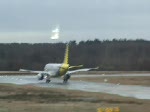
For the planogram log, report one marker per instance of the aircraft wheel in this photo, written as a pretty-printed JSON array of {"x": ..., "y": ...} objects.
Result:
[
  {"x": 48, "y": 80},
  {"x": 64, "y": 81},
  {"x": 66, "y": 78}
]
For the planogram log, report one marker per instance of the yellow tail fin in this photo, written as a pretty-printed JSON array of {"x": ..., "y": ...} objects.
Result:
[{"x": 66, "y": 57}]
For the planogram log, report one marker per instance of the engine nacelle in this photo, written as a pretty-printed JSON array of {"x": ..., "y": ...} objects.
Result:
[
  {"x": 40, "y": 76},
  {"x": 66, "y": 77}
]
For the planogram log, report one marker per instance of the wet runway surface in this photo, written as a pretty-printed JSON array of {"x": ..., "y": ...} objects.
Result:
[{"x": 139, "y": 92}]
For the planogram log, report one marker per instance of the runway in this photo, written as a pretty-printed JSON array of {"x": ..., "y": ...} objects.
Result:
[{"x": 139, "y": 92}]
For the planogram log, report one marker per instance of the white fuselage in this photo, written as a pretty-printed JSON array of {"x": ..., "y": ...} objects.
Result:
[
  {"x": 53, "y": 68},
  {"x": 56, "y": 70}
]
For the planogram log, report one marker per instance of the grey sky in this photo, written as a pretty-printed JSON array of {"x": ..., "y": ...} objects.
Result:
[{"x": 33, "y": 20}]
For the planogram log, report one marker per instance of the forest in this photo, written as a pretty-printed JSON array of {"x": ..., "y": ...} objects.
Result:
[{"x": 110, "y": 55}]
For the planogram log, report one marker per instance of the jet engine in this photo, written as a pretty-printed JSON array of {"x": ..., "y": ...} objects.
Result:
[
  {"x": 40, "y": 76},
  {"x": 66, "y": 77}
]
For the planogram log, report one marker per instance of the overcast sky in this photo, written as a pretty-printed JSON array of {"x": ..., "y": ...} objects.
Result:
[{"x": 33, "y": 20}]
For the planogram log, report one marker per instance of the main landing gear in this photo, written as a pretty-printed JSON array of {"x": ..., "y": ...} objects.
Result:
[
  {"x": 48, "y": 79},
  {"x": 66, "y": 77}
]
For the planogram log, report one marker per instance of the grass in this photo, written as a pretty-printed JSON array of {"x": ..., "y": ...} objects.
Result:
[{"x": 15, "y": 98}]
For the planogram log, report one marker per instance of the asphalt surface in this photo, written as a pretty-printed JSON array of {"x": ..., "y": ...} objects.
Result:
[{"x": 139, "y": 92}]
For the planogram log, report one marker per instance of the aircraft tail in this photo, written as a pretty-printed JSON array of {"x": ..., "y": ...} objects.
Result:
[{"x": 66, "y": 57}]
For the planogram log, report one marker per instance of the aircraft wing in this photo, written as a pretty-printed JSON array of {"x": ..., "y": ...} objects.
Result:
[
  {"x": 31, "y": 71},
  {"x": 80, "y": 70}
]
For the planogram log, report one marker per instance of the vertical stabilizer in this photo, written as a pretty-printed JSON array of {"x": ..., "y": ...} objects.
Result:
[
  {"x": 66, "y": 54},
  {"x": 55, "y": 33}
]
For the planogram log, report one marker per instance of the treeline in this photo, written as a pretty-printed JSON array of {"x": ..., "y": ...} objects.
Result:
[{"x": 108, "y": 55}]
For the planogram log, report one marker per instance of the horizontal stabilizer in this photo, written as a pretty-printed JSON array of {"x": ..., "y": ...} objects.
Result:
[{"x": 73, "y": 67}]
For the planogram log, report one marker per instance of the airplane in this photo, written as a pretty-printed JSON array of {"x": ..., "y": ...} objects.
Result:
[{"x": 54, "y": 70}]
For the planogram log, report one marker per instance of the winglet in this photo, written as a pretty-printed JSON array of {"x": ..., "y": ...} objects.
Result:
[{"x": 66, "y": 57}]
